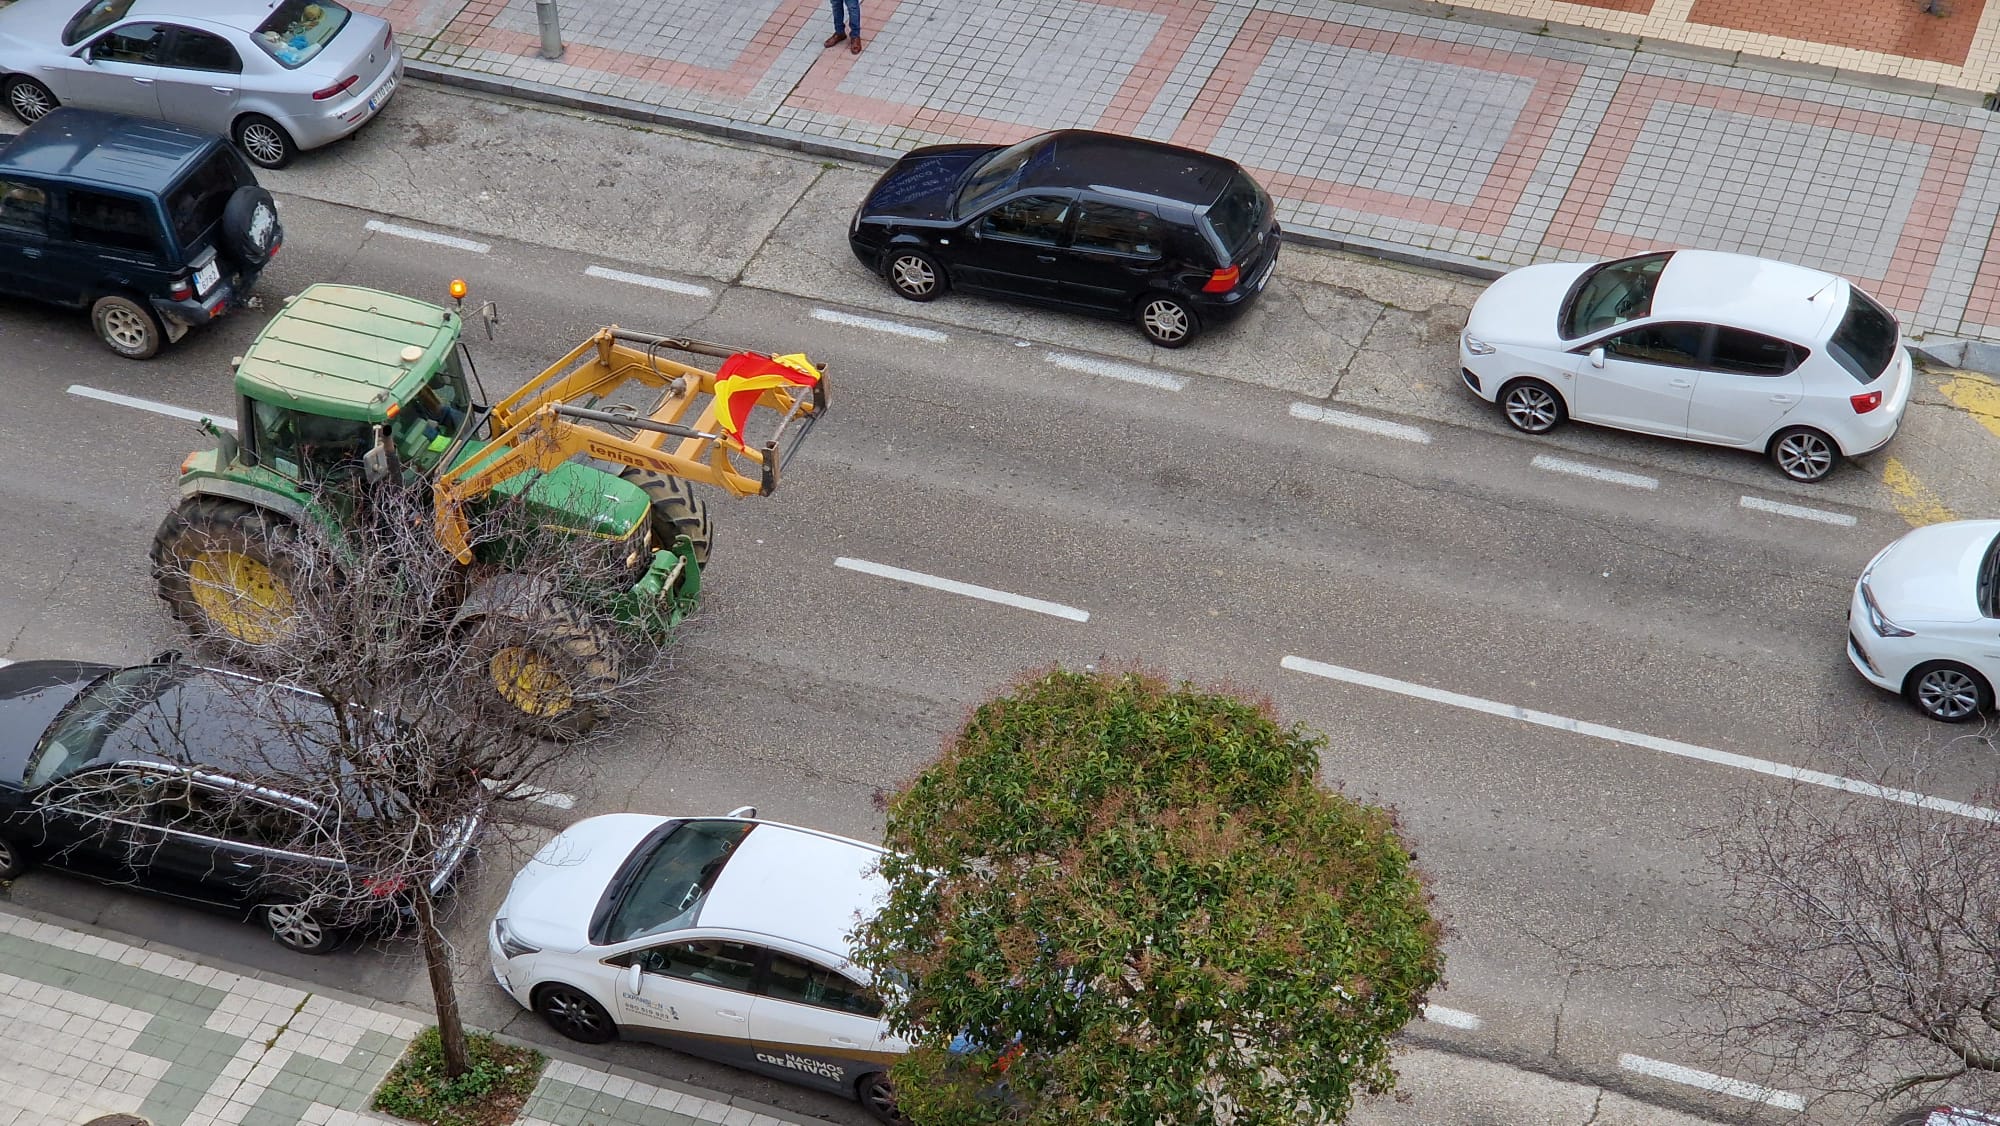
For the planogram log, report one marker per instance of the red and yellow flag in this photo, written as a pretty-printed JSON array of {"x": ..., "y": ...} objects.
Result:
[{"x": 745, "y": 376}]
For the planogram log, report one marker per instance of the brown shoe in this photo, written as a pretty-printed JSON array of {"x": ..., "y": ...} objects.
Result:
[
  {"x": 855, "y": 47},
  {"x": 835, "y": 38}
]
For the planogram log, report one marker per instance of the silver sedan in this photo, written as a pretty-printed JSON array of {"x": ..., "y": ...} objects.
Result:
[{"x": 278, "y": 76}]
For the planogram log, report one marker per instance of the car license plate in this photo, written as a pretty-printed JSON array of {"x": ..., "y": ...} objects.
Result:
[
  {"x": 1264, "y": 278},
  {"x": 206, "y": 277},
  {"x": 382, "y": 97}
]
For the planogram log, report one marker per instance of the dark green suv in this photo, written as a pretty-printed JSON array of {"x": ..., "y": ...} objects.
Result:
[{"x": 152, "y": 227}]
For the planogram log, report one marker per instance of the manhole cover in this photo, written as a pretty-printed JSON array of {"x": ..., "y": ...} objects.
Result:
[{"x": 118, "y": 1120}]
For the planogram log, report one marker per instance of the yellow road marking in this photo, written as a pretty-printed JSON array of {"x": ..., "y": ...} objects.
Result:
[
  {"x": 1913, "y": 499},
  {"x": 1977, "y": 396}
]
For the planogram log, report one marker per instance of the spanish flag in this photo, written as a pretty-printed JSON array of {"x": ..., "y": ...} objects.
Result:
[{"x": 744, "y": 377}]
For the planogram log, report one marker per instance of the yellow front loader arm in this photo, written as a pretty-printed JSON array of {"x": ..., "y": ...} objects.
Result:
[{"x": 537, "y": 427}]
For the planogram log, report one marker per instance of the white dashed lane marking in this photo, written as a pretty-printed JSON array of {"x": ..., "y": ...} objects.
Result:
[
  {"x": 222, "y": 420},
  {"x": 1595, "y": 472},
  {"x": 1798, "y": 511},
  {"x": 969, "y": 590},
  {"x": 877, "y": 324},
  {"x": 1636, "y": 739},
  {"x": 549, "y": 798},
  {"x": 1312, "y": 412},
  {"x": 666, "y": 285},
  {"x": 1124, "y": 373},
  {"x": 1721, "y": 1085},
  {"x": 422, "y": 235},
  {"x": 1438, "y": 1014}
]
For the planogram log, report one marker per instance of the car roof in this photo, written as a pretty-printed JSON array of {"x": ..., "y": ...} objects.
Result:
[
  {"x": 338, "y": 351},
  {"x": 1083, "y": 158},
  {"x": 797, "y": 884},
  {"x": 246, "y": 14},
  {"x": 226, "y": 721},
  {"x": 111, "y": 150},
  {"x": 1797, "y": 303}
]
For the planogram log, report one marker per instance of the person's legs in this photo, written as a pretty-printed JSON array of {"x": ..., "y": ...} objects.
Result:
[
  {"x": 853, "y": 20},
  {"x": 839, "y": 24}
]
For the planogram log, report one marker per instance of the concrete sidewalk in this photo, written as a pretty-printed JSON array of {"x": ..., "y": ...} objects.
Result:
[{"x": 1438, "y": 140}]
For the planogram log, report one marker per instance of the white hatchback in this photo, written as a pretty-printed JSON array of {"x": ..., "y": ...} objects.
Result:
[
  {"x": 1726, "y": 349},
  {"x": 724, "y": 937},
  {"x": 1925, "y": 618}
]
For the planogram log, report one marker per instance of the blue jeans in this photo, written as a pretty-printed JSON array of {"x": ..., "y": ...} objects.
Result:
[{"x": 847, "y": 17}]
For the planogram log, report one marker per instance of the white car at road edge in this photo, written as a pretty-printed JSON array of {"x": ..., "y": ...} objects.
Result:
[
  {"x": 724, "y": 937},
  {"x": 1925, "y": 619},
  {"x": 1725, "y": 349}
]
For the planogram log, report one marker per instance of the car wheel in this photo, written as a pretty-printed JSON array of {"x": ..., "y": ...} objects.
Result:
[
  {"x": 915, "y": 274},
  {"x": 265, "y": 142},
  {"x": 878, "y": 1095},
  {"x": 127, "y": 327},
  {"x": 13, "y": 858},
  {"x": 1532, "y": 407},
  {"x": 1166, "y": 320},
  {"x": 296, "y": 926},
  {"x": 1948, "y": 692},
  {"x": 30, "y": 100},
  {"x": 1803, "y": 454},
  {"x": 571, "y": 1012}
]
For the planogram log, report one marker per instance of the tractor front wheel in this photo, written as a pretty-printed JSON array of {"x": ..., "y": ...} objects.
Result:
[
  {"x": 676, "y": 510},
  {"x": 545, "y": 666},
  {"x": 222, "y": 570}
]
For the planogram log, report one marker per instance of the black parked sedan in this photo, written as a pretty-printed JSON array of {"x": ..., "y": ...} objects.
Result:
[
  {"x": 137, "y": 776},
  {"x": 1174, "y": 238}
]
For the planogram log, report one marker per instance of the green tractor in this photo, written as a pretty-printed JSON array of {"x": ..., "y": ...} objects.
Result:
[{"x": 350, "y": 384}]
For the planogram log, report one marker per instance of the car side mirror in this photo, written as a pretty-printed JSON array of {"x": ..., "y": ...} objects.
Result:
[
  {"x": 1597, "y": 357},
  {"x": 746, "y": 812},
  {"x": 633, "y": 978}
]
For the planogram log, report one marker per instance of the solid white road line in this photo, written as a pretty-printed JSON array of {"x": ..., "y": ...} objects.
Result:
[
  {"x": 1838, "y": 519},
  {"x": 1637, "y": 739},
  {"x": 666, "y": 284},
  {"x": 1438, "y": 1014},
  {"x": 1126, "y": 373},
  {"x": 953, "y": 586},
  {"x": 80, "y": 390},
  {"x": 1735, "y": 1088},
  {"x": 1312, "y": 412},
  {"x": 5, "y": 661},
  {"x": 1595, "y": 473},
  {"x": 420, "y": 235},
  {"x": 536, "y": 794},
  {"x": 876, "y": 324}
]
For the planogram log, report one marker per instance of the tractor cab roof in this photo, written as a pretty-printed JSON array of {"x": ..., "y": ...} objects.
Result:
[{"x": 345, "y": 351}]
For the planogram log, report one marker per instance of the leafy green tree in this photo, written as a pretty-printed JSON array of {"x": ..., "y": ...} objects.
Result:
[{"x": 1137, "y": 904}]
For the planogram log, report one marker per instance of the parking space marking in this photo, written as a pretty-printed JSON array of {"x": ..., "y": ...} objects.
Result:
[
  {"x": 666, "y": 284},
  {"x": 1721, "y": 1085},
  {"x": 1636, "y": 739},
  {"x": 550, "y": 798},
  {"x": 79, "y": 390},
  {"x": 1313, "y": 412},
  {"x": 421, "y": 235},
  {"x": 1798, "y": 511},
  {"x": 1125, "y": 373},
  {"x": 969, "y": 590},
  {"x": 1438, "y": 1014},
  {"x": 1977, "y": 396},
  {"x": 1914, "y": 500},
  {"x": 877, "y": 324},
  {"x": 1595, "y": 472}
]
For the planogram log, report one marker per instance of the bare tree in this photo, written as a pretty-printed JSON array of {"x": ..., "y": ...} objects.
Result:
[
  {"x": 1863, "y": 948},
  {"x": 416, "y": 692}
]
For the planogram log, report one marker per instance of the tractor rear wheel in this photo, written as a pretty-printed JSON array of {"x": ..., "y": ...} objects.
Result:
[
  {"x": 545, "y": 665},
  {"x": 676, "y": 510},
  {"x": 222, "y": 570}
]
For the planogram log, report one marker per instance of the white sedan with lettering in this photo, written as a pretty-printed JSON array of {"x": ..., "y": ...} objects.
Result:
[{"x": 724, "y": 937}]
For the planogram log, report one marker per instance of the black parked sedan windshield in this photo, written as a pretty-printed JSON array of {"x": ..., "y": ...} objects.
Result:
[
  {"x": 1865, "y": 342},
  {"x": 79, "y": 731},
  {"x": 668, "y": 885},
  {"x": 1611, "y": 294},
  {"x": 998, "y": 173}
]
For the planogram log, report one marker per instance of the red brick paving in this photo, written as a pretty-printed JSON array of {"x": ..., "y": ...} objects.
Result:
[{"x": 1895, "y": 27}]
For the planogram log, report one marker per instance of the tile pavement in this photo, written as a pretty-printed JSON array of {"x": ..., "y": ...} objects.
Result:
[
  {"x": 96, "y": 1026},
  {"x": 1449, "y": 140}
]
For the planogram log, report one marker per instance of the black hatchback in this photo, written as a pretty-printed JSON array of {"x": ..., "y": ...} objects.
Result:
[
  {"x": 1176, "y": 239},
  {"x": 151, "y": 227}
]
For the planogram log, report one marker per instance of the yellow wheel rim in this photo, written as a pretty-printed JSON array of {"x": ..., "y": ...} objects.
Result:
[
  {"x": 530, "y": 682},
  {"x": 242, "y": 596}
]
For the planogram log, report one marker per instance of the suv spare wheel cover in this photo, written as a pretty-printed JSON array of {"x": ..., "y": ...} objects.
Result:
[{"x": 250, "y": 225}]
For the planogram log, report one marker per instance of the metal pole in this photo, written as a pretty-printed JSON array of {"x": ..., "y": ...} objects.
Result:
[{"x": 545, "y": 14}]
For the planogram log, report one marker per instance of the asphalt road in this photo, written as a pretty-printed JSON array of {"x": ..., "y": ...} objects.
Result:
[{"x": 1207, "y": 532}]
